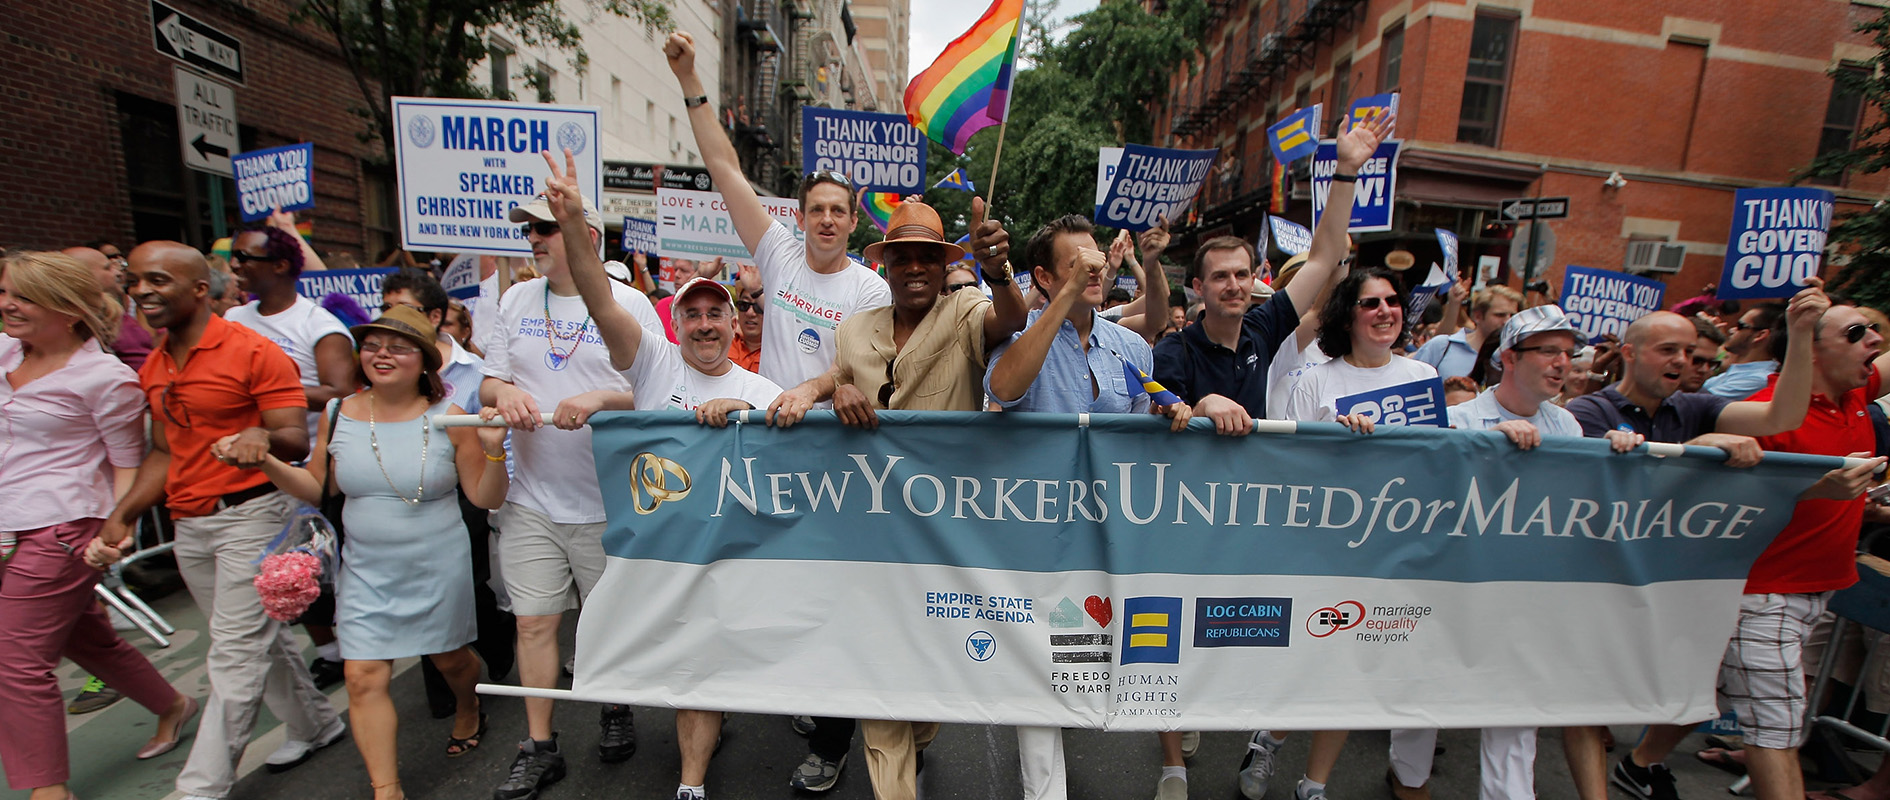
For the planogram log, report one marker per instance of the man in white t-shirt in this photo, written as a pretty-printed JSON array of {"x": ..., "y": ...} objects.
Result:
[
  {"x": 810, "y": 287},
  {"x": 692, "y": 374},
  {"x": 545, "y": 350}
]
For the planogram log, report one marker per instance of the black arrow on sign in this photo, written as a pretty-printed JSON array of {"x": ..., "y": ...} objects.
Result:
[{"x": 205, "y": 150}]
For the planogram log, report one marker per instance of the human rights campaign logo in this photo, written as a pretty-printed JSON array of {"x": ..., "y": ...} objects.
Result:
[
  {"x": 1242, "y": 621},
  {"x": 1153, "y": 630}
]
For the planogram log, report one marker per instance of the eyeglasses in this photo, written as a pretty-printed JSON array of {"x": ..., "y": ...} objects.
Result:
[
  {"x": 1703, "y": 361},
  {"x": 238, "y": 255},
  {"x": 1372, "y": 303},
  {"x": 886, "y": 389},
  {"x": 713, "y": 315},
  {"x": 1551, "y": 352},
  {"x": 1743, "y": 325},
  {"x": 746, "y": 306},
  {"x": 396, "y": 349},
  {"x": 541, "y": 228},
  {"x": 167, "y": 397},
  {"x": 386, "y": 307},
  {"x": 953, "y": 287}
]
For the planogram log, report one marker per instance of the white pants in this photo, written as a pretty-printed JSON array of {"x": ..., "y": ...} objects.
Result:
[
  {"x": 1040, "y": 763},
  {"x": 1508, "y": 761},
  {"x": 253, "y": 659}
]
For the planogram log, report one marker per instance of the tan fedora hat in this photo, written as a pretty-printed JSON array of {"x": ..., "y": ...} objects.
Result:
[{"x": 913, "y": 221}]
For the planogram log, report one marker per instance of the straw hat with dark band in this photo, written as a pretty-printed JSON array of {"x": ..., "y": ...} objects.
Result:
[
  {"x": 915, "y": 222},
  {"x": 408, "y": 322}
]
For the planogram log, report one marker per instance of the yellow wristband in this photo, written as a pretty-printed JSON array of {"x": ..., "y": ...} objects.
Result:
[{"x": 495, "y": 459}]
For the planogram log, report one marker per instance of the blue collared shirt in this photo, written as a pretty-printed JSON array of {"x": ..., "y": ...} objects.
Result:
[
  {"x": 1451, "y": 355},
  {"x": 1063, "y": 385},
  {"x": 1739, "y": 381}
]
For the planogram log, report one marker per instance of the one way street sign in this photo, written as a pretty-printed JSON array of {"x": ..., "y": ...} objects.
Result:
[
  {"x": 206, "y": 122},
  {"x": 1523, "y": 208},
  {"x": 182, "y": 37}
]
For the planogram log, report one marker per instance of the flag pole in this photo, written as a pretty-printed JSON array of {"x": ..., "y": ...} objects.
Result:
[{"x": 990, "y": 187}]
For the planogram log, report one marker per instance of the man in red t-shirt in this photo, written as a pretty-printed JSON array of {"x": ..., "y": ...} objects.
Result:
[
  {"x": 222, "y": 399},
  {"x": 1762, "y": 678}
]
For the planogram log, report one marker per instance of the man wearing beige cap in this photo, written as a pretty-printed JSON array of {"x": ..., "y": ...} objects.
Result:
[{"x": 545, "y": 352}]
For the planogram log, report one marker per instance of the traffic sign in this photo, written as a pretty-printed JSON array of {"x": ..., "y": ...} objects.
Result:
[
  {"x": 1543, "y": 238},
  {"x": 186, "y": 39},
  {"x": 1523, "y": 208},
  {"x": 206, "y": 122}
]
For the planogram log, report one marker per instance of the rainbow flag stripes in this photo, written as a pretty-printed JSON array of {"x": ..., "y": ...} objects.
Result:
[
  {"x": 879, "y": 207},
  {"x": 968, "y": 88}
]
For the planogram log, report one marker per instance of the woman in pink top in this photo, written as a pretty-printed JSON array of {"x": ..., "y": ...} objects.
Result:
[{"x": 71, "y": 438}]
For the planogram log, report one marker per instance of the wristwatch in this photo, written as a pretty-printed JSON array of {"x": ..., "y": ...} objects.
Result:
[
  {"x": 995, "y": 280},
  {"x": 698, "y": 100}
]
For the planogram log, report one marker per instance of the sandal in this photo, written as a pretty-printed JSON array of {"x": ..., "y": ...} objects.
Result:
[
  {"x": 1720, "y": 758},
  {"x": 456, "y": 746}
]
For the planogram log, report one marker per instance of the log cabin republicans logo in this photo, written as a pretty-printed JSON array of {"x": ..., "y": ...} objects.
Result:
[{"x": 649, "y": 478}]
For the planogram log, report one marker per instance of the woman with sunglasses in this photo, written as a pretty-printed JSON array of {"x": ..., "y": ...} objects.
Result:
[
  {"x": 405, "y": 586},
  {"x": 1361, "y": 327},
  {"x": 72, "y": 419}
]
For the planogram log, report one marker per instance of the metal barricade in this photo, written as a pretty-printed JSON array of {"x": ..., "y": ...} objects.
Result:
[{"x": 149, "y": 541}]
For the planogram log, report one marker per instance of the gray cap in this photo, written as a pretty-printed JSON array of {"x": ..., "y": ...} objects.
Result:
[
  {"x": 540, "y": 210},
  {"x": 1540, "y": 319}
]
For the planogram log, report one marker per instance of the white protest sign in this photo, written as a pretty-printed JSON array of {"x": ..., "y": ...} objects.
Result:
[
  {"x": 464, "y": 164},
  {"x": 696, "y": 225},
  {"x": 1107, "y": 158}
]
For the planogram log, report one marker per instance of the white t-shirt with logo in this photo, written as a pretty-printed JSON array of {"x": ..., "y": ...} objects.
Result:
[
  {"x": 1484, "y": 412},
  {"x": 1319, "y": 388},
  {"x": 804, "y": 307},
  {"x": 665, "y": 382},
  {"x": 1287, "y": 365},
  {"x": 295, "y": 329},
  {"x": 555, "y": 472}
]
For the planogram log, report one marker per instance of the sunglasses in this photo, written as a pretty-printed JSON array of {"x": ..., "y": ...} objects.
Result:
[
  {"x": 541, "y": 228},
  {"x": 1703, "y": 361},
  {"x": 1743, "y": 325},
  {"x": 746, "y": 306},
  {"x": 1372, "y": 303},
  {"x": 1855, "y": 333},
  {"x": 826, "y": 176},
  {"x": 886, "y": 389},
  {"x": 173, "y": 407},
  {"x": 953, "y": 287},
  {"x": 238, "y": 255}
]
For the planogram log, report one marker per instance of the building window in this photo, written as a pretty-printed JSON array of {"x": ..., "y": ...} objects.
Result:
[
  {"x": 1391, "y": 62},
  {"x": 1341, "y": 92},
  {"x": 1841, "y": 116},
  {"x": 543, "y": 80},
  {"x": 499, "y": 55},
  {"x": 1492, "y": 43}
]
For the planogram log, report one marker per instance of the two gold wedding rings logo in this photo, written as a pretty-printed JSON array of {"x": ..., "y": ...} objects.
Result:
[{"x": 650, "y": 487}]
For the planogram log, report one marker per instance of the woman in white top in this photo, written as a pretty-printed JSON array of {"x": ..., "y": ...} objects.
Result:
[{"x": 1360, "y": 327}]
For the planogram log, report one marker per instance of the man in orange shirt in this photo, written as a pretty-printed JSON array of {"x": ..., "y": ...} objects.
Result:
[
  {"x": 745, "y": 350},
  {"x": 222, "y": 398}
]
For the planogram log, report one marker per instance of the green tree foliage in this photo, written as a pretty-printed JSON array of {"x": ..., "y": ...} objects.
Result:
[
  {"x": 1865, "y": 236},
  {"x": 429, "y": 48}
]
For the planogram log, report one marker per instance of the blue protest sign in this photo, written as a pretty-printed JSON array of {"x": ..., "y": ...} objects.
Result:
[
  {"x": 1602, "y": 301},
  {"x": 279, "y": 177},
  {"x": 1383, "y": 103},
  {"x": 1290, "y": 237},
  {"x": 1296, "y": 136},
  {"x": 363, "y": 285},
  {"x": 639, "y": 235},
  {"x": 1448, "y": 241},
  {"x": 1372, "y": 196},
  {"x": 878, "y": 152},
  {"x": 1152, "y": 184},
  {"x": 1415, "y": 403},
  {"x": 1777, "y": 241}
]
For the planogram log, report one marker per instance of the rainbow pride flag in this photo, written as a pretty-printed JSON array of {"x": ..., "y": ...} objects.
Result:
[
  {"x": 879, "y": 207},
  {"x": 968, "y": 88}
]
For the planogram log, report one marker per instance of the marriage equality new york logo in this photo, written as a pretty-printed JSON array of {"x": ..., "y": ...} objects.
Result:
[{"x": 863, "y": 486}]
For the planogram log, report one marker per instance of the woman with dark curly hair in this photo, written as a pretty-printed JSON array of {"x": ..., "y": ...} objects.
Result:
[{"x": 1360, "y": 327}]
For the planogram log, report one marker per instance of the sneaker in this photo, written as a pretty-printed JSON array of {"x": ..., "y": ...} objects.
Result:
[
  {"x": 1302, "y": 792},
  {"x": 1172, "y": 788},
  {"x": 617, "y": 740},
  {"x": 93, "y": 696},
  {"x": 803, "y": 725},
  {"x": 326, "y": 673},
  {"x": 293, "y": 752},
  {"x": 816, "y": 774},
  {"x": 1190, "y": 743},
  {"x": 532, "y": 771},
  {"x": 1646, "y": 783},
  {"x": 691, "y": 794},
  {"x": 1257, "y": 769}
]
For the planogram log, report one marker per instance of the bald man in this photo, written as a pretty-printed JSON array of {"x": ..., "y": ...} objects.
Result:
[
  {"x": 133, "y": 344},
  {"x": 222, "y": 399}
]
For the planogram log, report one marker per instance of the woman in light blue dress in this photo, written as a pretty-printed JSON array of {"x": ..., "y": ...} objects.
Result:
[{"x": 405, "y": 586}]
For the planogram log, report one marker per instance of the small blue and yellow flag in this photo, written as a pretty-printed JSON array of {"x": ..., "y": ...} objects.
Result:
[
  {"x": 957, "y": 180},
  {"x": 1297, "y": 136},
  {"x": 1140, "y": 382}
]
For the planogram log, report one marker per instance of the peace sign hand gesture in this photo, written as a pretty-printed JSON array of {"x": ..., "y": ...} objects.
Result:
[{"x": 561, "y": 190}]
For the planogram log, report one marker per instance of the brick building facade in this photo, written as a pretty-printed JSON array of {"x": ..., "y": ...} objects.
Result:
[
  {"x": 90, "y": 134},
  {"x": 1647, "y": 114}
]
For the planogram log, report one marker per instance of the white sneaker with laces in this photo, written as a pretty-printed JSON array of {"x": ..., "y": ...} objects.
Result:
[{"x": 293, "y": 752}]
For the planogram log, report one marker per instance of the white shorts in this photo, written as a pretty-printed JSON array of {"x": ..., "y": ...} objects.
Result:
[
  {"x": 1762, "y": 678},
  {"x": 549, "y": 567}
]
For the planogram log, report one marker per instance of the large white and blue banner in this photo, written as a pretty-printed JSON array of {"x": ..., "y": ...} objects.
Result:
[
  {"x": 1373, "y": 195},
  {"x": 1101, "y": 572},
  {"x": 877, "y": 152},
  {"x": 464, "y": 164},
  {"x": 1776, "y": 243},
  {"x": 1151, "y": 184}
]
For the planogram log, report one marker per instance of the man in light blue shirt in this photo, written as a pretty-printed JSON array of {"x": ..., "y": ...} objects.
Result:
[
  {"x": 1456, "y": 354},
  {"x": 1750, "y": 349}
]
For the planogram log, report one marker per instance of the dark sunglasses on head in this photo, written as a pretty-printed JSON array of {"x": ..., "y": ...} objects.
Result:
[
  {"x": 953, "y": 287},
  {"x": 541, "y": 228},
  {"x": 1372, "y": 303},
  {"x": 747, "y": 305},
  {"x": 825, "y": 175}
]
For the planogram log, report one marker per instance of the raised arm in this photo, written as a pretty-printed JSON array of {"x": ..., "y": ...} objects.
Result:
[
  {"x": 718, "y": 153},
  {"x": 615, "y": 324},
  {"x": 1786, "y": 410},
  {"x": 1329, "y": 246},
  {"x": 285, "y": 221},
  {"x": 991, "y": 246},
  {"x": 1154, "y": 316},
  {"x": 1013, "y": 373}
]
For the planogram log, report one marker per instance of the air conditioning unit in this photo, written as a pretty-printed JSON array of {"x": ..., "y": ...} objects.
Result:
[{"x": 1654, "y": 255}]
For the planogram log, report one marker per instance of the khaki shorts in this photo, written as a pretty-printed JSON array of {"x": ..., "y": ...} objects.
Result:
[{"x": 549, "y": 567}]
